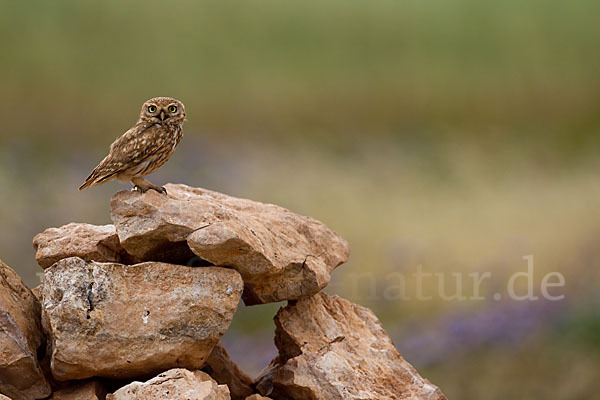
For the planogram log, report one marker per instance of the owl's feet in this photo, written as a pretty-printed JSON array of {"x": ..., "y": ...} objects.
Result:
[
  {"x": 143, "y": 185},
  {"x": 159, "y": 189}
]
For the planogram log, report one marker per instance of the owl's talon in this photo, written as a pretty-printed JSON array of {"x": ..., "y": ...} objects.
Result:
[
  {"x": 159, "y": 189},
  {"x": 143, "y": 185}
]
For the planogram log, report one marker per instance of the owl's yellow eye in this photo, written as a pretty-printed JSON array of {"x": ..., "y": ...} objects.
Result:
[
  {"x": 172, "y": 109},
  {"x": 151, "y": 109}
]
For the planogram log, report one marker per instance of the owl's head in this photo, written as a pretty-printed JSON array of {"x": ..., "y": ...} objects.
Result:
[{"x": 161, "y": 110}]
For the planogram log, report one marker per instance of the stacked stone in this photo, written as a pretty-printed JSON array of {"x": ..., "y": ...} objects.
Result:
[{"x": 135, "y": 310}]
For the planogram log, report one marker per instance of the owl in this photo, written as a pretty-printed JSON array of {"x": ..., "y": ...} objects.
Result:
[{"x": 144, "y": 148}]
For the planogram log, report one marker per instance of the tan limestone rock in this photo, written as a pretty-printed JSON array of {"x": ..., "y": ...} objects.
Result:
[
  {"x": 222, "y": 369},
  {"x": 87, "y": 390},
  {"x": 330, "y": 348},
  {"x": 118, "y": 321},
  {"x": 37, "y": 292},
  {"x": 174, "y": 384},
  {"x": 21, "y": 377},
  {"x": 280, "y": 255},
  {"x": 257, "y": 397},
  {"x": 89, "y": 242}
]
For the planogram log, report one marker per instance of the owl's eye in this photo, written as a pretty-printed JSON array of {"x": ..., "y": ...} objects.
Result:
[
  {"x": 172, "y": 109},
  {"x": 151, "y": 109}
]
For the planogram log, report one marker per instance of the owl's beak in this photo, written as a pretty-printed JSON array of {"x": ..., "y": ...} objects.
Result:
[{"x": 162, "y": 115}]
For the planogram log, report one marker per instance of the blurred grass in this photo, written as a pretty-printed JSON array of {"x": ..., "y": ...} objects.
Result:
[
  {"x": 568, "y": 368},
  {"x": 457, "y": 135},
  {"x": 329, "y": 71}
]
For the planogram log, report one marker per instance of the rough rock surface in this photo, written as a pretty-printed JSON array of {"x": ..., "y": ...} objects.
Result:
[
  {"x": 280, "y": 255},
  {"x": 89, "y": 242},
  {"x": 174, "y": 384},
  {"x": 222, "y": 369},
  {"x": 113, "y": 320},
  {"x": 20, "y": 338},
  {"x": 37, "y": 292},
  {"x": 257, "y": 397},
  {"x": 90, "y": 390},
  {"x": 3, "y": 397},
  {"x": 330, "y": 348}
]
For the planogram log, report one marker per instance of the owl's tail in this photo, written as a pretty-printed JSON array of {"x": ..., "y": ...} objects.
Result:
[
  {"x": 88, "y": 182},
  {"x": 99, "y": 175}
]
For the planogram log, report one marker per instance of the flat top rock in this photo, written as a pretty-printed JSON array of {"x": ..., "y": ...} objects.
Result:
[
  {"x": 121, "y": 321},
  {"x": 280, "y": 255},
  {"x": 330, "y": 348},
  {"x": 90, "y": 242}
]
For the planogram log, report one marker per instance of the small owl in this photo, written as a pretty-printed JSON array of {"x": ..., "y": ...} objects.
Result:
[{"x": 144, "y": 148}]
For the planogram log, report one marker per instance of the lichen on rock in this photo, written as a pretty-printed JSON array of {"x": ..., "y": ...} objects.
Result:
[{"x": 117, "y": 321}]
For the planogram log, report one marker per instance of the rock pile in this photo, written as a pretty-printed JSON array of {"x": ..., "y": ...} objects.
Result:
[{"x": 135, "y": 310}]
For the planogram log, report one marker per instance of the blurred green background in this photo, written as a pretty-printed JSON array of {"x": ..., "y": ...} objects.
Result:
[{"x": 457, "y": 135}]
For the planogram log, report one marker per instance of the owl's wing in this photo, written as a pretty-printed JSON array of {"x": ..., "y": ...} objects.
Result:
[
  {"x": 130, "y": 149},
  {"x": 134, "y": 146}
]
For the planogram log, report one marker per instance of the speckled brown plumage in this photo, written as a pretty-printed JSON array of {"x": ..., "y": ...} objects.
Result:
[{"x": 145, "y": 147}]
